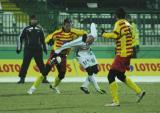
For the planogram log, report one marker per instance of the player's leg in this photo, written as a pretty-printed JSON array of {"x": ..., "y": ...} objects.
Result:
[
  {"x": 38, "y": 81},
  {"x": 38, "y": 57},
  {"x": 35, "y": 84},
  {"x": 91, "y": 77},
  {"x": 92, "y": 62},
  {"x": 95, "y": 71},
  {"x": 61, "y": 73},
  {"x": 113, "y": 87},
  {"x": 84, "y": 86},
  {"x": 25, "y": 64},
  {"x": 40, "y": 78},
  {"x": 121, "y": 76},
  {"x": 92, "y": 71},
  {"x": 82, "y": 59},
  {"x": 125, "y": 62},
  {"x": 74, "y": 43}
]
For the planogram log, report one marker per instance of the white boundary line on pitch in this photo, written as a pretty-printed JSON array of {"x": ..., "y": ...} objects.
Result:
[{"x": 81, "y": 79}]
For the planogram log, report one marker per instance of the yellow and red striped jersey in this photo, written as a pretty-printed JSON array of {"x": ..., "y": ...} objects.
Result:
[
  {"x": 60, "y": 37},
  {"x": 122, "y": 33}
]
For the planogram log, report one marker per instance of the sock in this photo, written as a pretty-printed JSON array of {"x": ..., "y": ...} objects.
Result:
[
  {"x": 114, "y": 92},
  {"x": 38, "y": 81},
  {"x": 56, "y": 82},
  {"x": 132, "y": 85},
  {"x": 86, "y": 82},
  {"x": 93, "y": 81}
]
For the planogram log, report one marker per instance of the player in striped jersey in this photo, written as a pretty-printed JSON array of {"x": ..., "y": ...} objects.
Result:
[
  {"x": 86, "y": 58},
  {"x": 60, "y": 37},
  {"x": 122, "y": 33}
]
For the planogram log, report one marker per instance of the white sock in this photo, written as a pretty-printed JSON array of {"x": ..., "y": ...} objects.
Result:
[
  {"x": 93, "y": 81},
  {"x": 86, "y": 83}
]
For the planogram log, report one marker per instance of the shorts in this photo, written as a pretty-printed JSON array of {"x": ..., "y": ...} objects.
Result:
[
  {"x": 86, "y": 58},
  {"x": 121, "y": 63}
]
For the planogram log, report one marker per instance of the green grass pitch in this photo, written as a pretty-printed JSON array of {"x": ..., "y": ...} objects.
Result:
[{"x": 14, "y": 99}]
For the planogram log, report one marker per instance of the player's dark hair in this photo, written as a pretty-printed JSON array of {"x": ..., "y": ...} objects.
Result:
[{"x": 120, "y": 13}]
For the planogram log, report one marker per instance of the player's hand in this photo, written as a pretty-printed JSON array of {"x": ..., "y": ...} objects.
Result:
[
  {"x": 90, "y": 39},
  {"x": 18, "y": 51}
]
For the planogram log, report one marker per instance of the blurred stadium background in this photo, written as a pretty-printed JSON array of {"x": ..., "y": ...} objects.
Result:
[{"x": 14, "y": 16}]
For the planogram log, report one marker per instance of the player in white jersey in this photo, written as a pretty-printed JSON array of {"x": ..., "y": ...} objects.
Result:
[{"x": 85, "y": 57}]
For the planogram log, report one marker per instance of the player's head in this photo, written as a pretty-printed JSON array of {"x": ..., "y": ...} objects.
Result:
[
  {"x": 120, "y": 13},
  {"x": 67, "y": 25},
  {"x": 33, "y": 20}
]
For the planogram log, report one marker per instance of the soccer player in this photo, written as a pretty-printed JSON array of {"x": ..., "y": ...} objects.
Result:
[
  {"x": 60, "y": 37},
  {"x": 86, "y": 58},
  {"x": 122, "y": 33}
]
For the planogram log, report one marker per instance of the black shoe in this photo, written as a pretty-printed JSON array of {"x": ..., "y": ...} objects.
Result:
[
  {"x": 85, "y": 90},
  {"x": 21, "y": 81},
  {"x": 101, "y": 91},
  {"x": 140, "y": 96}
]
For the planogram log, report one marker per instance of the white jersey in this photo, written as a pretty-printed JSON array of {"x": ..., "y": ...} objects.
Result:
[
  {"x": 86, "y": 58},
  {"x": 84, "y": 54}
]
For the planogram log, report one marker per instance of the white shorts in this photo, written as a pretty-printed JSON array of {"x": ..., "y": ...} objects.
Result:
[{"x": 86, "y": 58}]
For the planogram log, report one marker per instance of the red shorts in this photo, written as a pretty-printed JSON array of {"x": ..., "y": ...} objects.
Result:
[{"x": 121, "y": 63}]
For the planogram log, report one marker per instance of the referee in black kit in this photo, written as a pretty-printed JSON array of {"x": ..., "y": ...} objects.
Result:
[{"x": 33, "y": 38}]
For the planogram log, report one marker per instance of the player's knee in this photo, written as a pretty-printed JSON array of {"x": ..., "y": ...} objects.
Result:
[
  {"x": 95, "y": 69},
  {"x": 89, "y": 71},
  {"x": 111, "y": 76},
  {"x": 121, "y": 76}
]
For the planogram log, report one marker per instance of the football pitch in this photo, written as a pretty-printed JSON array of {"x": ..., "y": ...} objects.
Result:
[{"x": 14, "y": 99}]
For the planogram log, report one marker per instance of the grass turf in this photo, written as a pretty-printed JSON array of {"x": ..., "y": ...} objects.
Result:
[{"x": 14, "y": 99}]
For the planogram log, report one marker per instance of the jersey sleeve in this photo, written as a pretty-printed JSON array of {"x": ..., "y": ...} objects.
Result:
[
  {"x": 48, "y": 38},
  {"x": 51, "y": 36},
  {"x": 20, "y": 39},
  {"x": 113, "y": 34},
  {"x": 78, "y": 32},
  {"x": 42, "y": 38}
]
